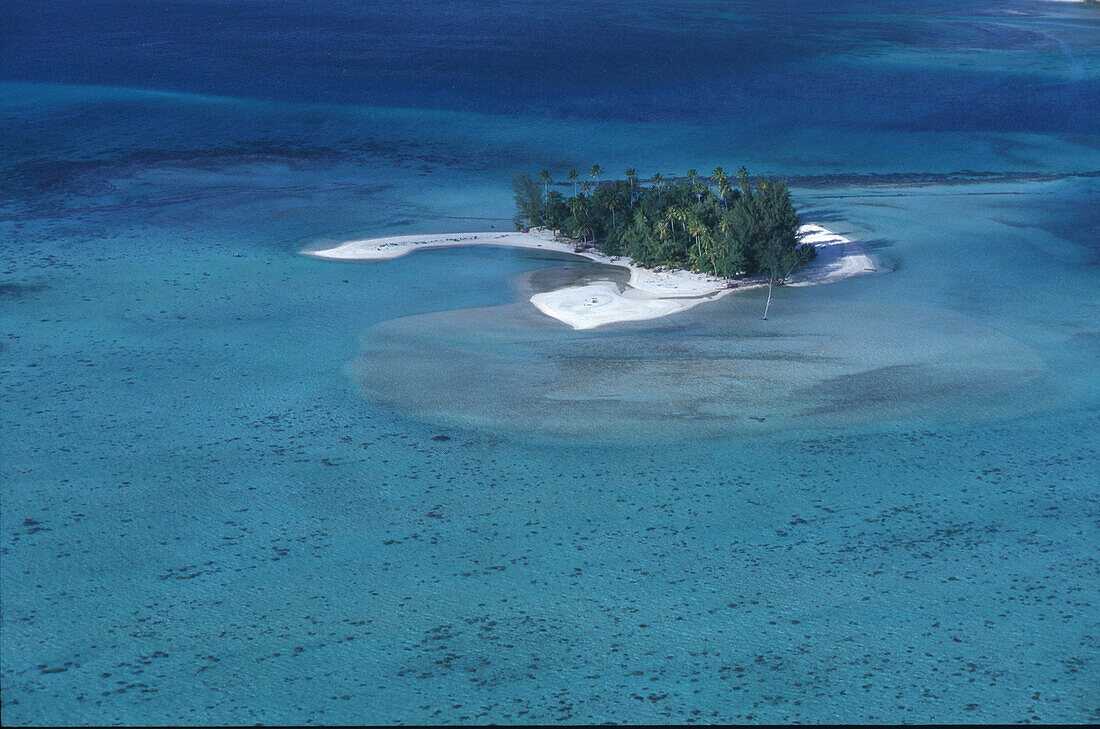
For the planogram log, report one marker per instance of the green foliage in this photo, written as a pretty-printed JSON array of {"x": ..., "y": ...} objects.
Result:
[
  {"x": 721, "y": 229},
  {"x": 530, "y": 204}
]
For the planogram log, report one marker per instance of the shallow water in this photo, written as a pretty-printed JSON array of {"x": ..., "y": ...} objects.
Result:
[{"x": 240, "y": 484}]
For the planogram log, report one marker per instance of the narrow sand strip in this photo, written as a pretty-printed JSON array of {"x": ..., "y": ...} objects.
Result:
[{"x": 649, "y": 294}]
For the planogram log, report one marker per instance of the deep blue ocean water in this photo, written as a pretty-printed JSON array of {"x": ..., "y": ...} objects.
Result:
[{"x": 243, "y": 485}]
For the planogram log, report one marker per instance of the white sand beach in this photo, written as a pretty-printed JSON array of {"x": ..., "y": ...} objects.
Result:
[
  {"x": 649, "y": 294},
  {"x": 837, "y": 258}
]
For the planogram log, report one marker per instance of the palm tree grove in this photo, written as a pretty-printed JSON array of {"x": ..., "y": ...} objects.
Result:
[{"x": 714, "y": 227}]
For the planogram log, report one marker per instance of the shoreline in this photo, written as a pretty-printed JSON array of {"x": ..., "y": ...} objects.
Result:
[{"x": 649, "y": 293}]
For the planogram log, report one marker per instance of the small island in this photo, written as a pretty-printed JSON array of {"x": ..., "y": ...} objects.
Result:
[
  {"x": 684, "y": 242},
  {"x": 731, "y": 232}
]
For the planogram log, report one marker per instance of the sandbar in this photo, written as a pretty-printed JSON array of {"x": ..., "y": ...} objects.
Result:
[{"x": 649, "y": 293}]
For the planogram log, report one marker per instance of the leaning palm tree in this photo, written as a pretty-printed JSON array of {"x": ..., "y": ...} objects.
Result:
[
  {"x": 573, "y": 179},
  {"x": 596, "y": 173},
  {"x": 544, "y": 178}
]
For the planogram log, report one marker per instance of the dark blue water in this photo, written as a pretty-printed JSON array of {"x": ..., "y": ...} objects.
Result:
[
  {"x": 241, "y": 485},
  {"x": 771, "y": 65}
]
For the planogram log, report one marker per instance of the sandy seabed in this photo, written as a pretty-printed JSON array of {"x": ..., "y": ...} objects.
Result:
[{"x": 649, "y": 293}]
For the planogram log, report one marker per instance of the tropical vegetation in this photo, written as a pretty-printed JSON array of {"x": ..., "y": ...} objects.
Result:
[{"x": 727, "y": 228}]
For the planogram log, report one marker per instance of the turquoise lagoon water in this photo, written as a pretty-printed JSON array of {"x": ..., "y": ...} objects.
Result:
[{"x": 244, "y": 485}]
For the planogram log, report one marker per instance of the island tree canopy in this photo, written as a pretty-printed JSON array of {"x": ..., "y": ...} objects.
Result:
[{"x": 751, "y": 229}]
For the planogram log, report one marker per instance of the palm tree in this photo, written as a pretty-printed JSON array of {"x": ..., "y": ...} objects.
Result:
[
  {"x": 585, "y": 187},
  {"x": 581, "y": 221},
  {"x": 544, "y": 178},
  {"x": 631, "y": 175},
  {"x": 681, "y": 215},
  {"x": 692, "y": 174},
  {"x": 704, "y": 244},
  {"x": 743, "y": 180},
  {"x": 715, "y": 249},
  {"x": 719, "y": 175},
  {"x": 656, "y": 180},
  {"x": 697, "y": 231},
  {"x": 671, "y": 216},
  {"x": 573, "y": 179},
  {"x": 661, "y": 228},
  {"x": 596, "y": 173},
  {"x": 723, "y": 228},
  {"x": 724, "y": 190}
]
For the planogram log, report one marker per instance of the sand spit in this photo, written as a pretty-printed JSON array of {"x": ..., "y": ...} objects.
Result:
[{"x": 649, "y": 294}]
